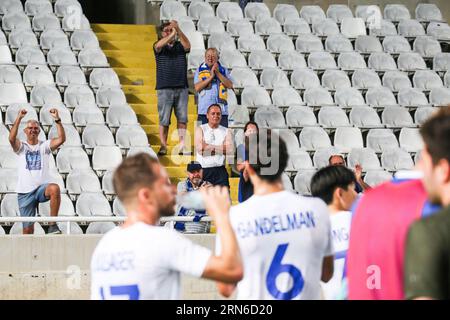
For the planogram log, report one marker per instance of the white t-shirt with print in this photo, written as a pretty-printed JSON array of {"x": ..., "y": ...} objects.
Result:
[
  {"x": 33, "y": 166},
  {"x": 340, "y": 226},
  {"x": 283, "y": 238},
  {"x": 144, "y": 262}
]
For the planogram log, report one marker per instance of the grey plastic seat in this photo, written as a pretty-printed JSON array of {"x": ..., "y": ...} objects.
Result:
[
  {"x": 36, "y": 7},
  {"x": 8, "y": 158},
  {"x": 93, "y": 204},
  {"x": 250, "y": 42},
  {"x": 68, "y": 24},
  {"x": 325, "y": 28},
  {"x": 196, "y": 40},
  {"x": 277, "y": 43},
  {"x": 321, "y": 61},
  {"x": 335, "y": 79},
  {"x": 338, "y": 43},
  {"x": 267, "y": 26},
  {"x": 46, "y": 120},
  {"x": 4, "y": 134},
  {"x": 296, "y": 27},
  {"x": 365, "y": 117},
  {"x": 74, "y": 228},
  {"x": 13, "y": 111},
  {"x": 107, "y": 96},
  {"x": 300, "y": 116},
  {"x": 426, "y": 80},
  {"x": 303, "y": 78},
  {"x": 86, "y": 115},
  {"x": 332, "y": 117},
  {"x": 440, "y": 96},
  {"x": 79, "y": 95},
  {"x": 376, "y": 177},
  {"x": 239, "y": 27},
  {"x": 15, "y": 20},
  {"x": 312, "y": 13},
  {"x": 348, "y": 97},
  {"x": 347, "y": 138},
  {"x": 255, "y": 10},
  {"x": 410, "y": 29},
  {"x": 29, "y": 55},
  {"x": 396, "y": 80},
  {"x": 210, "y": 24},
  {"x": 22, "y": 37},
  {"x": 131, "y": 136},
  {"x": 195, "y": 58},
  {"x": 411, "y": 62},
  {"x": 317, "y": 97},
  {"x": 441, "y": 61},
  {"x": 365, "y": 157},
  {"x": 243, "y": 77},
  {"x": 428, "y": 12},
  {"x": 96, "y": 135},
  {"x": 8, "y": 180},
  {"x": 302, "y": 182},
  {"x": 291, "y": 141},
  {"x": 313, "y": 138},
  {"x": 46, "y": 94},
  {"x": 232, "y": 59},
  {"x": 350, "y": 61},
  {"x": 273, "y": 77},
  {"x": 307, "y": 43},
  {"x": 70, "y": 75},
  {"x": 35, "y": 75},
  {"x": 186, "y": 24},
  {"x": 422, "y": 114},
  {"x": 171, "y": 10},
  {"x": 381, "y": 61},
  {"x": 261, "y": 59},
  {"x": 290, "y": 60},
  {"x": 92, "y": 58},
  {"x": 368, "y": 44},
  {"x": 281, "y": 12},
  {"x": 106, "y": 158},
  {"x": 353, "y": 27},
  {"x": 447, "y": 79},
  {"x": 227, "y": 11},
  {"x": 10, "y": 6},
  {"x": 396, "y": 117},
  {"x": 53, "y": 38},
  {"x": 380, "y": 97},
  {"x": 284, "y": 97},
  {"x": 410, "y": 140},
  {"x": 61, "y": 57},
  {"x": 220, "y": 41},
  {"x": 387, "y": 28},
  {"x": 108, "y": 187},
  {"x": 10, "y": 74},
  {"x": 365, "y": 79},
  {"x": 381, "y": 140},
  {"x": 120, "y": 115},
  {"x": 426, "y": 46},
  {"x": 45, "y": 21},
  {"x": 72, "y": 136},
  {"x": 71, "y": 158},
  {"x": 439, "y": 30},
  {"x": 81, "y": 39},
  {"x": 79, "y": 181},
  {"x": 10, "y": 206},
  {"x": 322, "y": 155},
  {"x": 299, "y": 161},
  {"x": 65, "y": 7},
  {"x": 100, "y": 227},
  {"x": 200, "y": 9},
  {"x": 147, "y": 150},
  {"x": 396, "y": 159},
  {"x": 396, "y": 12},
  {"x": 118, "y": 208},
  {"x": 338, "y": 12},
  {"x": 103, "y": 77},
  {"x": 238, "y": 116},
  {"x": 412, "y": 97},
  {"x": 12, "y": 93},
  {"x": 396, "y": 44},
  {"x": 269, "y": 117}
]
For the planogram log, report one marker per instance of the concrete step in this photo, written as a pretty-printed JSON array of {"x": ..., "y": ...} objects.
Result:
[
  {"x": 138, "y": 80},
  {"x": 145, "y": 54},
  {"x": 151, "y": 108},
  {"x": 135, "y": 72},
  {"x": 146, "y": 37},
  {"x": 131, "y": 62},
  {"x": 149, "y": 98},
  {"x": 123, "y": 28}
]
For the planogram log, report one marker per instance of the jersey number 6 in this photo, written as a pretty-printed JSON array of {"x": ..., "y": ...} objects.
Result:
[{"x": 276, "y": 268}]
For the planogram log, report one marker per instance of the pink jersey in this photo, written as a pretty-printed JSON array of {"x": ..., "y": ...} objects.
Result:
[{"x": 377, "y": 239}]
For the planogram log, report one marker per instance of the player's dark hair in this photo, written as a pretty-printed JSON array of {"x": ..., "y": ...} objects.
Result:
[
  {"x": 325, "y": 181},
  {"x": 435, "y": 133}
]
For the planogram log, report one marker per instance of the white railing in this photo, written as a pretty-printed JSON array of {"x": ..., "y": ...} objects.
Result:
[{"x": 70, "y": 219}]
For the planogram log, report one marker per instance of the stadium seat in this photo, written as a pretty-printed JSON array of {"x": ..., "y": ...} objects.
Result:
[
  {"x": 186, "y": 24},
  {"x": 325, "y": 28},
  {"x": 8, "y": 158},
  {"x": 238, "y": 116},
  {"x": 118, "y": 208},
  {"x": 440, "y": 96},
  {"x": 365, "y": 79},
  {"x": 284, "y": 97},
  {"x": 350, "y": 61},
  {"x": 396, "y": 12},
  {"x": 338, "y": 12},
  {"x": 300, "y": 116},
  {"x": 72, "y": 136},
  {"x": 396, "y": 80},
  {"x": 261, "y": 59},
  {"x": 255, "y": 96},
  {"x": 387, "y": 28},
  {"x": 396, "y": 159},
  {"x": 108, "y": 96},
  {"x": 426, "y": 80},
  {"x": 380, "y": 140},
  {"x": 381, "y": 62},
  {"x": 376, "y": 177},
  {"x": 338, "y": 43},
  {"x": 22, "y": 37},
  {"x": 45, "y": 21},
  {"x": 196, "y": 40},
  {"x": 195, "y": 58},
  {"x": 41, "y": 95},
  {"x": 273, "y": 77},
  {"x": 347, "y": 138},
  {"x": 103, "y": 77},
  {"x": 291, "y": 141},
  {"x": 243, "y": 77},
  {"x": 10, "y": 6},
  {"x": 100, "y": 227},
  {"x": 53, "y": 38},
  {"x": 87, "y": 115},
  {"x": 441, "y": 61},
  {"x": 396, "y": 45},
  {"x": 79, "y": 181},
  {"x": 332, "y": 117},
  {"x": 16, "y": 229},
  {"x": 92, "y": 204},
  {"x": 227, "y": 11},
  {"x": 71, "y": 158},
  {"x": 282, "y": 12},
  {"x": 303, "y": 78},
  {"x": 353, "y": 27},
  {"x": 348, "y": 98},
  {"x": 105, "y": 158},
  {"x": 65, "y": 7},
  {"x": 15, "y": 20},
  {"x": 29, "y": 55},
  {"x": 13, "y": 111},
  {"x": 322, "y": 155},
  {"x": 396, "y": 117},
  {"x": 412, "y": 98},
  {"x": 296, "y": 27},
  {"x": 335, "y": 79},
  {"x": 318, "y": 97},
  {"x": 250, "y": 42},
  {"x": 313, "y": 138},
  {"x": 380, "y": 97},
  {"x": 287, "y": 184},
  {"x": 365, "y": 157},
  {"x": 146, "y": 150},
  {"x": 66, "y": 208},
  {"x": 220, "y": 41},
  {"x": 35, "y": 75},
  {"x": 68, "y": 24},
  {"x": 427, "y": 46},
  {"x": 199, "y": 9},
  {"x": 10, "y": 74},
  {"x": 74, "y": 228},
  {"x": 277, "y": 43},
  {"x": 92, "y": 58},
  {"x": 422, "y": 114},
  {"x": 312, "y": 13},
  {"x": 96, "y": 135},
  {"x": 269, "y": 117},
  {"x": 367, "y": 44},
  {"x": 410, "y": 29},
  {"x": 171, "y": 10},
  {"x": 411, "y": 62},
  {"x": 410, "y": 140},
  {"x": 61, "y": 57},
  {"x": 267, "y": 26},
  {"x": 8, "y": 180},
  {"x": 302, "y": 182},
  {"x": 299, "y": 161},
  {"x": 120, "y": 115},
  {"x": 10, "y": 206},
  {"x": 308, "y": 43},
  {"x": 4, "y": 134},
  {"x": 69, "y": 75},
  {"x": 254, "y": 11},
  {"x": 232, "y": 58},
  {"x": 210, "y": 24},
  {"x": 428, "y": 12},
  {"x": 321, "y": 61},
  {"x": 365, "y": 117},
  {"x": 46, "y": 120},
  {"x": 131, "y": 136},
  {"x": 82, "y": 39},
  {"x": 239, "y": 27},
  {"x": 79, "y": 95}
]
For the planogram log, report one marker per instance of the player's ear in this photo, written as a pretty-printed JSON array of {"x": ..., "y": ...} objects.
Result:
[{"x": 145, "y": 196}]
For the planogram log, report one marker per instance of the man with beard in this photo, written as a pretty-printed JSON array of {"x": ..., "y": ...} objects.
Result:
[{"x": 139, "y": 260}]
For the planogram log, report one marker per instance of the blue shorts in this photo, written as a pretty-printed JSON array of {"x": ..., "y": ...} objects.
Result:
[{"x": 28, "y": 203}]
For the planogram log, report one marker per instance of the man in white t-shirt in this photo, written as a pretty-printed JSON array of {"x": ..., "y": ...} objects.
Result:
[
  {"x": 140, "y": 260},
  {"x": 336, "y": 186},
  {"x": 284, "y": 238},
  {"x": 34, "y": 182}
]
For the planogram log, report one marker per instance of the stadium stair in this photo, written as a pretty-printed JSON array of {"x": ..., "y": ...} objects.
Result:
[{"x": 130, "y": 53}]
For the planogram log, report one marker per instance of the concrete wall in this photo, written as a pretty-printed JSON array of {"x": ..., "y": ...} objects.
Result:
[{"x": 57, "y": 267}]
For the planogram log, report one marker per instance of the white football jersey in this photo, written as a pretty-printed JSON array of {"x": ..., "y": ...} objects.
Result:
[
  {"x": 283, "y": 238},
  {"x": 144, "y": 262},
  {"x": 340, "y": 228}
]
